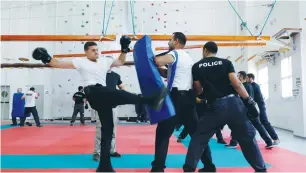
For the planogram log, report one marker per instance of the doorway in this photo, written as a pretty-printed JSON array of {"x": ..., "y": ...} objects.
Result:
[{"x": 5, "y": 102}]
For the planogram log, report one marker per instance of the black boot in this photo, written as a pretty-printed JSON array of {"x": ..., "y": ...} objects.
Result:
[
  {"x": 187, "y": 168},
  {"x": 208, "y": 169}
]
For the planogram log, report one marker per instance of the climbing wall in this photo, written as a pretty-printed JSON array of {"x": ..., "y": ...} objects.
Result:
[{"x": 90, "y": 17}]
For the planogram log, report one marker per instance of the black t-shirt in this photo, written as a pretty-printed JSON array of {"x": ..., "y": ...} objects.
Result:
[
  {"x": 79, "y": 98},
  {"x": 112, "y": 80},
  {"x": 212, "y": 72}
]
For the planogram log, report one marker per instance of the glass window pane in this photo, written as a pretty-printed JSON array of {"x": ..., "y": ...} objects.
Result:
[
  {"x": 284, "y": 67},
  {"x": 287, "y": 87},
  {"x": 265, "y": 90}
]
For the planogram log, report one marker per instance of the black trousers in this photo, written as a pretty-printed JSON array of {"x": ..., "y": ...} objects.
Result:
[
  {"x": 230, "y": 111},
  {"x": 103, "y": 99},
  {"x": 184, "y": 102},
  {"x": 261, "y": 130},
  {"x": 78, "y": 108},
  {"x": 32, "y": 110},
  {"x": 265, "y": 122},
  {"x": 200, "y": 112}
]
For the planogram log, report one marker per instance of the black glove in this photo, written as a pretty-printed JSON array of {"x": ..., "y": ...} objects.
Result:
[
  {"x": 253, "y": 109},
  {"x": 86, "y": 106},
  {"x": 125, "y": 42},
  {"x": 41, "y": 53}
]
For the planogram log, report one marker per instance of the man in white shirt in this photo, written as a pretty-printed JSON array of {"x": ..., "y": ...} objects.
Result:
[
  {"x": 93, "y": 72},
  {"x": 30, "y": 106},
  {"x": 183, "y": 97}
]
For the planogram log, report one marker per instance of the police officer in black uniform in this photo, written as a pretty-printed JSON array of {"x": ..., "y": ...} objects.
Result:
[
  {"x": 254, "y": 120},
  {"x": 215, "y": 78},
  {"x": 79, "y": 101}
]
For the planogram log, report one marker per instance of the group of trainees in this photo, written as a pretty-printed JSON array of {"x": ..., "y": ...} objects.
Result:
[{"x": 212, "y": 81}]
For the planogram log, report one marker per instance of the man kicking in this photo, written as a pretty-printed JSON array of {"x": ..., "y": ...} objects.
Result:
[
  {"x": 93, "y": 72},
  {"x": 113, "y": 80}
]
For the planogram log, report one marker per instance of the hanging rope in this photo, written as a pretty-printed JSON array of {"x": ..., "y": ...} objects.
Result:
[
  {"x": 104, "y": 30},
  {"x": 132, "y": 16},
  {"x": 244, "y": 24},
  {"x": 104, "y": 18},
  {"x": 267, "y": 19}
]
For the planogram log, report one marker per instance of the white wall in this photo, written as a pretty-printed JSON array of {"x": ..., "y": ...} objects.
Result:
[
  {"x": 86, "y": 17},
  {"x": 284, "y": 113},
  {"x": 190, "y": 17}
]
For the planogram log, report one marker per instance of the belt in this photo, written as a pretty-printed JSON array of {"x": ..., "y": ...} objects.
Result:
[
  {"x": 225, "y": 97},
  {"x": 175, "y": 89},
  {"x": 222, "y": 98}
]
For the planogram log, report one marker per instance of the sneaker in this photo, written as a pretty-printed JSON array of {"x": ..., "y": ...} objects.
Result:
[
  {"x": 71, "y": 124},
  {"x": 28, "y": 124},
  {"x": 231, "y": 145},
  {"x": 276, "y": 142},
  {"x": 221, "y": 141},
  {"x": 96, "y": 157},
  {"x": 115, "y": 154},
  {"x": 40, "y": 126},
  {"x": 269, "y": 146}
]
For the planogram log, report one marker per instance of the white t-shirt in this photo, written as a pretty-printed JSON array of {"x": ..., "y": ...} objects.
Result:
[
  {"x": 183, "y": 74},
  {"x": 93, "y": 72},
  {"x": 30, "y": 98}
]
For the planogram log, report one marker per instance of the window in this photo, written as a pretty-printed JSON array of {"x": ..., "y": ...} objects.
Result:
[
  {"x": 286, "y": 77},
  {"x": 263, "y": 81}
]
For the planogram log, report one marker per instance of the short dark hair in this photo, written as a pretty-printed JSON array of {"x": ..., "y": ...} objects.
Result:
[
  {"x": 211, "y": 47},
  {"x": 251, "y": 75},
  {"x": 88, "y": 44},
  {"x": 80, "y": 88},
  {"x": 32, "y": 89},
  {"x": 243, "y": 74},
  {"x": 180, "y": 37}
]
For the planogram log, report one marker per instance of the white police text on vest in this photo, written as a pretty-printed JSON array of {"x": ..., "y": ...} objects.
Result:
[{"x": 210, "y": 64}]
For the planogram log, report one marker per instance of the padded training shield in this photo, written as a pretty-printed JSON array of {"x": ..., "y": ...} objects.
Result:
[
  {"x": 18, "y": 106},
  {"x": 149, "y": 79}
]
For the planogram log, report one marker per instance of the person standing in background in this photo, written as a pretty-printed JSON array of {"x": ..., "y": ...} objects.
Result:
[
  {"x": 254, "y": 120},
  {"x": 30, "y": 106},
  {"x": 18, "y": 107},
  {"x": 113, "y": 80},
  {"x": 262, "y": 107},
  {"x": 79, "y": 100}
]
